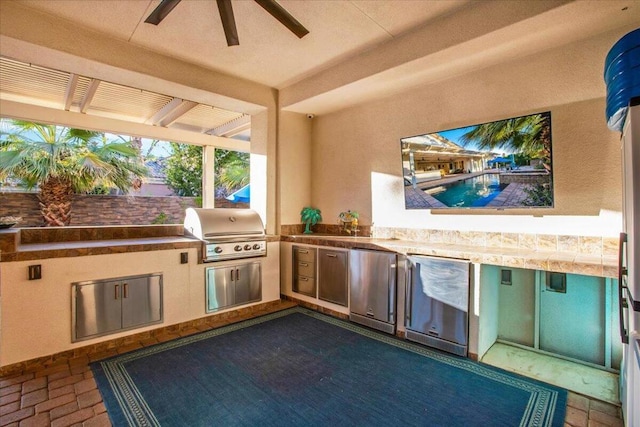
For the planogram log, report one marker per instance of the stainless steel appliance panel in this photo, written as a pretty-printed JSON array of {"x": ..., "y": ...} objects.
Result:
[
  {"x": 304, "y": 270},
  {"x": 333, "y": 276},
  {"x": 220, "y": 288},
  {"x": 141, "y": 301},
  {"x": 101, "y": 307},
  {"x": 233, "y": 285},
  {"x": 437, "y": 300},
  {"x": 248, "y": 288},
  {"x": 373, "y": 288},
  {"x": 304, "y": 285},
  {"x": 98, "y": 309},
  {"x": 304, "y": 254}
]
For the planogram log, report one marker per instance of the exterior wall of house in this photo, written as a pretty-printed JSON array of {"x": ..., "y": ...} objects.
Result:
[{"x": 356, "y": 162}]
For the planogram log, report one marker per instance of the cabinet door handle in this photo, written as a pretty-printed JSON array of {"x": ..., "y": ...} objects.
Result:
[
  {"x": 332, "y": 255},
  {"x": 303, "y": 251},
  {"x": 116, "y": 291},
  {"x": 125, "y": 290},
  {"x": 407, "y": 297},
  {"x": 232, "y": 270},
  {"x": 237, "y": 274},
  {"x": 392, "y": 288},
  {"x": 303, "y": 279}
]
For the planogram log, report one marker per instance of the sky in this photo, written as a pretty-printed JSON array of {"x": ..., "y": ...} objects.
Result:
[{"x": 454, "y": 135}]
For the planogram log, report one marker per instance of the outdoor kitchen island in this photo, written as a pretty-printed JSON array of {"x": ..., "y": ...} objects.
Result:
[{"x": 36, "y": 314}]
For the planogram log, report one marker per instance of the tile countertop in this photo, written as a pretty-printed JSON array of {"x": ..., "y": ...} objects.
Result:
[
  {"x": 563, "y": 262},
  {"x": 566, "y": 262},
  {"x": 11, "y": 249}
]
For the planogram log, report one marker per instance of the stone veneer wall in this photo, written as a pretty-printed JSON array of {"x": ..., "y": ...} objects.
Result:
[{"x": 106, "y": 210}]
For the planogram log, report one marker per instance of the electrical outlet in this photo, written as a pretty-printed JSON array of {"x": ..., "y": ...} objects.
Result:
[
  {"x": 35, "y": 272},
  {"x": 184, "y": 257}
]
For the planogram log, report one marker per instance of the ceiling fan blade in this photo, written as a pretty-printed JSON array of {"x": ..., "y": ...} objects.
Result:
[
  {"x": 284, "y": 17},
  {"x": 161, "y": 12},
  {"x": 228, "y": 22}
]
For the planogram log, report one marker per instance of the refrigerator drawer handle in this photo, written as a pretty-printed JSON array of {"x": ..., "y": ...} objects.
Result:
[
  {"x": 392, "y": 288},
  {"x": 624, "y": 334},
  {"x": 407, "y": 299}
]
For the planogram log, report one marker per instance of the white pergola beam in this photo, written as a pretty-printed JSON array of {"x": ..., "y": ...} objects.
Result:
[
  {"x": 162, "y": 113},
  {"x": 232, "y": 128},
  {"x": 17, "y": 110},
  {"x": 88, "y": 97},
  {"x": 175, "y": 114},
  {"x": 70, "y": 91}
]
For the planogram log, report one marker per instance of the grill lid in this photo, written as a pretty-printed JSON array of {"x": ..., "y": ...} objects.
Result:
[{"x": 220, "y": 223}]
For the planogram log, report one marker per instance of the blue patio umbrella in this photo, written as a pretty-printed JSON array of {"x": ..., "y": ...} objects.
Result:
[{"x": 243, "y": 195}]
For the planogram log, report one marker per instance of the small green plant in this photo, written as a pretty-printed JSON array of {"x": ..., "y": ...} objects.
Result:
[
  {"x": 162, "y": 218},
  {"x": 310, "y": 216},
  {"x": 538, "y": 195}
]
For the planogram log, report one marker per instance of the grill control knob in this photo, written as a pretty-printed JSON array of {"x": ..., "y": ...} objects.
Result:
[
  {"x": 247, "y": 247},
  {"x": 256, "y": 247},
  {"x": 217, "y": 249},
  {"x": 237, "y": 248}
]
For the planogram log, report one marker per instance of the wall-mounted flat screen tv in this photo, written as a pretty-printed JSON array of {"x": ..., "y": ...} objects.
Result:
[{"x": 496, "y": 165}]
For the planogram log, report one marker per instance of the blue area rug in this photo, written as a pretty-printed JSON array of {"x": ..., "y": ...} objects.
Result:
[{"x": 301, "y": 368}]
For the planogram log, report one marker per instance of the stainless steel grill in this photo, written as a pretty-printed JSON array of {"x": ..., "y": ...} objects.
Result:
[{"x": 227, "y": 233}]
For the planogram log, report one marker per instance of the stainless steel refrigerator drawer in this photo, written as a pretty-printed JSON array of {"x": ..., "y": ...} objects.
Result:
[
  {"x": 304, "y": 285},
  {"x": 306, "y": 268},
  {"x": 304, "y": 254}
]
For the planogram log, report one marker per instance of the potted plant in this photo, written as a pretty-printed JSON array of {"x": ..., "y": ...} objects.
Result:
[{"x": 310, "y": 216}]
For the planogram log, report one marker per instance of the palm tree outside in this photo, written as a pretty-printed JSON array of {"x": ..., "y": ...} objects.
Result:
[
  {"x": 529, "y": 136},
  {"x": 63, "y": 161}
]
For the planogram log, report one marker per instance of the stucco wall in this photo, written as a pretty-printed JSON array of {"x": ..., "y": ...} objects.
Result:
[{"x": 356, "y": 160}]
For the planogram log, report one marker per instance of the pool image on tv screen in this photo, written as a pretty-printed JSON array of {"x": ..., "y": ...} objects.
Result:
[{"x": 495, "y": 165}]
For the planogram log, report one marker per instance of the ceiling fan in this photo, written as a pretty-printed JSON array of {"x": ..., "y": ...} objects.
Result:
[{"x": 228, "y": 21}]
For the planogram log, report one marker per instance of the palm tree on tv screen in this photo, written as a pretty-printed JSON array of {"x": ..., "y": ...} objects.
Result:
[
  {"x": 62, "y": 161},
  {"x": 530, "y": 135}
]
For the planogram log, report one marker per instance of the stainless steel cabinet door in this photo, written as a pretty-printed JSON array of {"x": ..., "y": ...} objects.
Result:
[
  {"x": 220, "y": 288},
  {"x": 247, "y": 283},
  {"x": 141, "y": 301},
  {"x": 98, "y": 309},
  {"x": 373, "y": 284},
  {"x": 233, "y": 285},
  {"x": 438, "y": 298},
  {"x": 333, "y": 276}
]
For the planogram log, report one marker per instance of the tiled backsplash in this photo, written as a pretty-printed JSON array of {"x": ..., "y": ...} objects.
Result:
[{"x": 586, "y": 245}]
